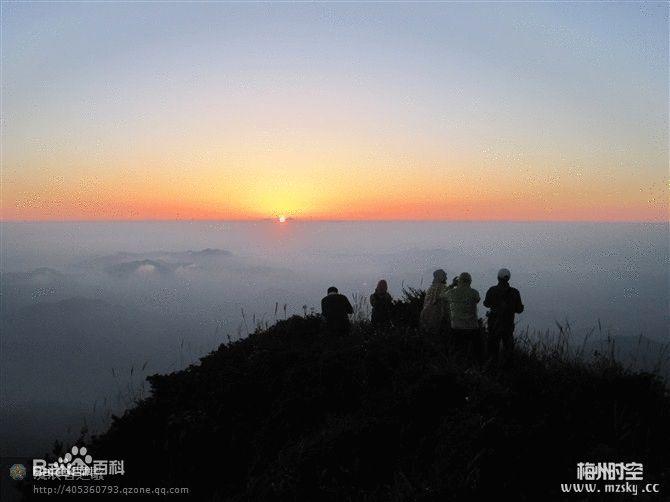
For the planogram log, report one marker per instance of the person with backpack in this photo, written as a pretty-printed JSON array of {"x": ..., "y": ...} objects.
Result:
[{"x": 504, "y": 302}]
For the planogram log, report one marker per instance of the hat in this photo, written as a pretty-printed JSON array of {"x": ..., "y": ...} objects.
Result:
[
  {"x": 464, "y": 278},
  {"x": 504, "y": 274}
]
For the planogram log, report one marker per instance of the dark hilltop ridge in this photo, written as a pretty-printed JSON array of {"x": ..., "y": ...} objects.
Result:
[{"x": 385, "y": 415}]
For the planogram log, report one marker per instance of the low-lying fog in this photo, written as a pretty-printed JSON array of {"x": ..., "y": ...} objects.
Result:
[{"x": 90, "y": 309}]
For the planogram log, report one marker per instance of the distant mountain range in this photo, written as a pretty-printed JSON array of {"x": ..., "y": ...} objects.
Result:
[
  {"x": 161, "y": 257},
  {"x": 143, "y": 267}
]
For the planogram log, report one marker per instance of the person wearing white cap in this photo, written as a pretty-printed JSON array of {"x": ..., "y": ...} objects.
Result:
[{"x": 504, "y": 302}]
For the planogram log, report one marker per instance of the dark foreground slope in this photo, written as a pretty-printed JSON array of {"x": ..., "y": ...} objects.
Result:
[{"x": 287, "y": 415}]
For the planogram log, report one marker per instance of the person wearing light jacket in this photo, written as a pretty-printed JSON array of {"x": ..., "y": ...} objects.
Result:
[{"x": 465, "y": 328}]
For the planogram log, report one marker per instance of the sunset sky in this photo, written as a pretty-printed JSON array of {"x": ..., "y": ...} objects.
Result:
[{"x": 463, "y": 111}]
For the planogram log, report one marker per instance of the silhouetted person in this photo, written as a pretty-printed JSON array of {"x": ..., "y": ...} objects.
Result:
[
  {"x": 381, "y": 302},
  {"x": 504, "y": 302},
  {"x": 465, "y": 330},
  {"x": 335, "y": 309}
]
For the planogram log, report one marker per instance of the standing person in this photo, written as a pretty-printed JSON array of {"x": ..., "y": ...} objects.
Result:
[
  {"x": 504, "y": 302},
  {"x": 434, "y": 318},
  {"x": 465, "y": 329},
  {"x": 381, "y": 302},
  {"x": 335, "y": 309}
]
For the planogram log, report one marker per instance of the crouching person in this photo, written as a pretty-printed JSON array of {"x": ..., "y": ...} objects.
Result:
[{"x": 335, "y": 309}]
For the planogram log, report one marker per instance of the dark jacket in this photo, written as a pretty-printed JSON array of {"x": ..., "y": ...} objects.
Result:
[
  {"x": 381, "y": 307},
  {"x": 335, "y": 309},
  {"x": 504, "y": 301}
]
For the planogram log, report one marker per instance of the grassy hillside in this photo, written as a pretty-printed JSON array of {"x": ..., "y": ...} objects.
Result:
[{"x": 288, "y": 415}]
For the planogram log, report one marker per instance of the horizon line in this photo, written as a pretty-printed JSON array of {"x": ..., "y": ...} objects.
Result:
[{"x": 323, "y": 220}]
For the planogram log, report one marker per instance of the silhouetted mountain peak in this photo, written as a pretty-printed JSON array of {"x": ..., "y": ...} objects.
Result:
[{"x": 291, "y": 414}]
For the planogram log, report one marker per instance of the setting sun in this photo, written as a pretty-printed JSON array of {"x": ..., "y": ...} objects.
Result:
[{"x": 282, "y": 219}]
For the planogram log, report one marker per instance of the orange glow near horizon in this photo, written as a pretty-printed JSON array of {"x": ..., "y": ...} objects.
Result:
[
  {"x": 368, "y": 183},
  {"x": 380, "y": 203},
  {"x": 308, "y": 193}
]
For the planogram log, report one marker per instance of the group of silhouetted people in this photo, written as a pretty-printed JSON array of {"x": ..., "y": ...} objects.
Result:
[{"x": 449, "y": 314}]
